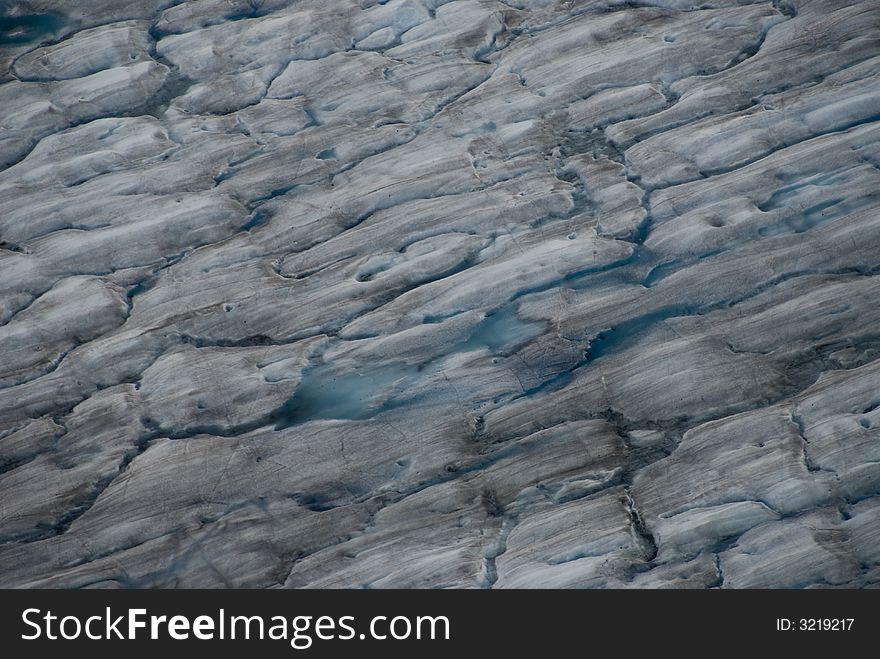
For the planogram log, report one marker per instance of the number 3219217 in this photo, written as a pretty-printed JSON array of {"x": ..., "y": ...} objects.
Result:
[{"x": 815, "y": 624}]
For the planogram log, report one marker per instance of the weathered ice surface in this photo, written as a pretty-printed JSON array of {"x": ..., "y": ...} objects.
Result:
[{"x": 417, "y": 293}]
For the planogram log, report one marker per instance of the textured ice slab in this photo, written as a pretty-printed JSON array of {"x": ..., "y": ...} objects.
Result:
[{"x": 440, "y": 294}]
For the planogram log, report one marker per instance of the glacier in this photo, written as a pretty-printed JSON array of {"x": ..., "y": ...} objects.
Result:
[{"x": 426, "y": 293}]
